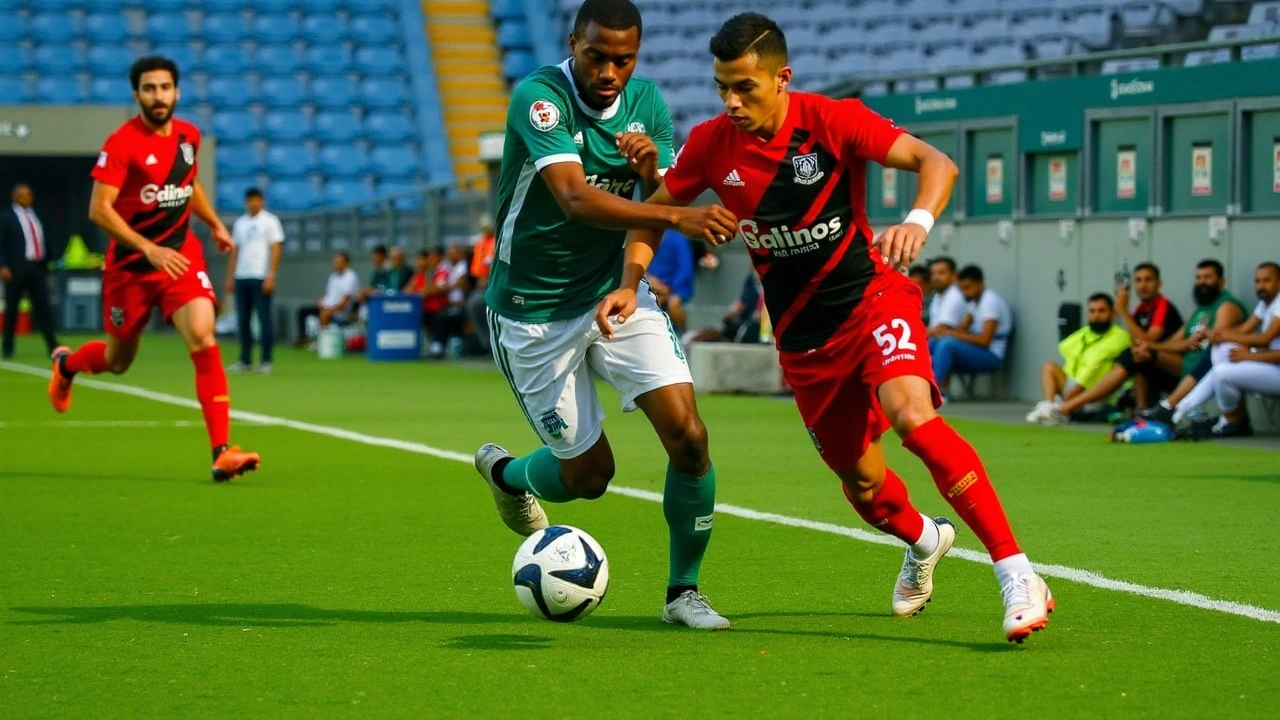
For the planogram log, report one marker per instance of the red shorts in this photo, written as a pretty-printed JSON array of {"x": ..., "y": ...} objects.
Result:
[
  {"x": 129, "y": 295},
  {"x": 835, "y": 385}
]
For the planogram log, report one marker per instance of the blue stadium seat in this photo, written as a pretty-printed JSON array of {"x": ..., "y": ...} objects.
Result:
[
  {"x": 238, "y": 160},
  {"x": 376, "y": 61},
  {"x": 58, "y": 5},
  {"x": 346, "y": 192},
  {"x": 388, "y": 127},
  {"x": 283, "y": 59},
  {"x": 374, "y": 30},
  {"x": 57, "y": 60},
  {"x": 406, "y": 202},
  {"x": 293, "y": 195},
  {"x": 231, "y": 191},
  {"x": 321, "y": 7},
  {"x": 13, "y": 29},
  {"x": 231, "y": 126},
  {"x": 103, "y": 27},
  {"x": 333, "y": 92},
  {"x": 110, "y": 59},
  {"x": 369, "y": 7},
  {"x": 59, "y": 91},
  {"x": 51, "y": 27},
  {"x": 384, "y": 93},
  {"x": 514, "y": 34},
  {"x": 275, "y": 28},
  {"x": 328, "y": 59},
  {"x": 323, "y": 29},
  {"x": 229, "y": 59},
  {"x": 13, "y": 90},
  {"x": 224, "y": 29},
  {"x": 282, "y": 91},
  {"x": 289, "y": 160},
  {"x": 232, "y": 91},
  {"x": 343, "y": 160},
  {"x": 272, "y": 6},
  {"x": 168, "y": 27},
  {"x": 110, "y": 91},
  {"x": 290, "y": 125},
  {"x": 336, "y": 126},
  {"x": 14, "y": 58},
  {"x": 187, "y": 57},
  {"x": 517, "y": 64},
  {"x": 511, "y": 10},
  {"x": 390, "y": 161}
]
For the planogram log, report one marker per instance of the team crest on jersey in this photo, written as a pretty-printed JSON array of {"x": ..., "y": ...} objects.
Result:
[
  {"x": 544, "y": 116},
  {"x": 554, "y": 425},
  {"x": 117, "y": 316},
  {"x": 807, "y": 172},
  {"x": 188, "y": 153},
  {"x": 637, "y": 127}
]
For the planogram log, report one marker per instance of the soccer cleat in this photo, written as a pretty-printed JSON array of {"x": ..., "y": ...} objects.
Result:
[
  {"x": 691, "y": 609},
  {"x": 1159, "y": 413},
  {"x": 521, "y": 512},
  {"x": 915, "y": 582},
  {"x": 1052, "y": 416},
  {"x": 234, "y": 462},
  {"x": 237, "y": 368},
  {"x": 60, "y": 383},
  {"x": 1230, "y": 430},
  {"x": 1027, "y": 605},
  {"x": 264, "y": 368},
  {"x": 1041, "y": 409}
]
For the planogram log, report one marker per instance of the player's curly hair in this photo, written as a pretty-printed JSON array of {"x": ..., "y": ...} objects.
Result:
[
  {"x": 747, "y": 33},
  {"x": 611, "y": 14},
  {"x": 151, "y": 63}
]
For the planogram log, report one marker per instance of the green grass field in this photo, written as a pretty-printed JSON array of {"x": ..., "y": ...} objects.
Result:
[{"x": 355, "y": 579}]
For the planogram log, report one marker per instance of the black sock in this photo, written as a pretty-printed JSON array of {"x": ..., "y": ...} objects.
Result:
[
  {"x": 62, "y": 366},
  {"x": 218, "y": 451},
  {"x": 498, "y": 467},
  {"x": 676, "y": 591}
]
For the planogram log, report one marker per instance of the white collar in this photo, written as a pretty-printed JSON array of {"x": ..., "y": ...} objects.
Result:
[
  {"x": 606, "y": 114},
  {"x": 19, "y": 210}
]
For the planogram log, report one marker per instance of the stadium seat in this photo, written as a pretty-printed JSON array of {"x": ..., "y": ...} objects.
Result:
[
  {"x": 272, "y": 6},
  {"x": 110, "y": 59},
  {"x": 388, "y": 127},
  {"x": 230, "y": 125},
  {"x": 289, "y": 160},
  {"x": 328, "y": 59},
  {"x": 369, "y": 7},
  {"x": 282, "y": 59},
  {"x": 336, "y": 127},
  {"x": 168, "y": 28},
  {"x": 409, "y": 202},
  {"x": 110, "y": 91},
  {"x": 1128, "y": 65},
  {"x": 321, "y": 7},
  {"x": 229, "y": 59},
  {"x": 238, "y": 160},
  {"x": 13, "y": 29},
  {"x": 224, "y": 29},
  {"x": 1263, "y": 14},
  {"x": 1259, "y": 52},
  {"x": 374, "y": 30},
  {"x": 512, "y": 9},
  {"x": 186, "y": 57},
  {"x": 57, "y": 6},
  {"x": 282, "y": 91},
  {"x": 51, "y": 27},
  {"x": 1092, "y": 28},
  {"x": 293, "y": 195},
  {"x": 229, "y": 91},
  {"x": 381, "y": 93},
  {"x": 287, "y": 125},
  {"x": 57, "y": 60},
  {"x": 106, "y": 28},
  {"x": 59, "y": 91},
  {"x": 333, "y": 92},
  {"x": 231, "y": 192},
  {"x": 13, "y": 90},
  {"x": 378, "y": 61},
  {"x": 274, "y": 28},
  {"x": 346, "y": 161},
  {"x": 1146, "y": 18},
  {"x": 346, "y": 192},
  {"x": 389, "y": 161},
  {"x": 14, "y": 59},
  {"x": 322, "y": 29},
  {"x": 514, "y": 34},
  {"x": 517, "y": 64}
]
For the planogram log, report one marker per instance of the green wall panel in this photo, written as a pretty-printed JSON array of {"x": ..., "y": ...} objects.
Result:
[
  {"x": 1197, "y": 158},
  {"x": 991, "y": 171},
  {"x": 1052, "y": 182},
  {"x": 1262, "y": 161},
  {"x": 1122, "y": 165}
]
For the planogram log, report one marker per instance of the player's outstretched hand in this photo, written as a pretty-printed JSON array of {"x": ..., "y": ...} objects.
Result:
[
  {"x": 222, "y": 238},
  {"x": 640, "y": 151},
  {"x": 901, "y": 244},
  {"x": 710, "y": 223},
  {"x": 617, "y": 305},
  {"x": 171, "y": 261}
]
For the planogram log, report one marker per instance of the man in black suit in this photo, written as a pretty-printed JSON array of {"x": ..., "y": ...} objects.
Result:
[{"x": 24, "y": 262}]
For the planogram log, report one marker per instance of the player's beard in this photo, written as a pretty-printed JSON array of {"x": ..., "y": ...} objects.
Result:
[{"x": 157, "y": 119}]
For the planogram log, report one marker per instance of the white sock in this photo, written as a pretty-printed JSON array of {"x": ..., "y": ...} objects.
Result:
[
  {"x": 1178, "y": 415},
  {"x": 1222, "y": 423},
  {"x": 1013, "y": 565},
  {"x": 929, "y": 539}
]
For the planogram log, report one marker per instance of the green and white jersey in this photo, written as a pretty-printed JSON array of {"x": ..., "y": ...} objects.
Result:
[{"x": 547, "y": 266}]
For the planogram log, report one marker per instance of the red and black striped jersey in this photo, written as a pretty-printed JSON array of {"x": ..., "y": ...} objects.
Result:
[
  {"x": 1161, "y": 313},
  {"x": 800, "y": 199}
]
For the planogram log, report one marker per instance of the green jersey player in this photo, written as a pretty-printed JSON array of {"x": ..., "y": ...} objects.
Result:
[{"x": 582, "y": 139}]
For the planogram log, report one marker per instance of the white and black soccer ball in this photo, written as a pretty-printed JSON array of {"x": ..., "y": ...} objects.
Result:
[{"x": 560, "y": 573}]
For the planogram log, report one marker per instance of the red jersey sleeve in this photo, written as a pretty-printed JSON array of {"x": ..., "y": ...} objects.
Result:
[
  {"x": 863, "y": 132},
  {"x": 1160, "y": 314},
  {"x": 686, "y": 179},
  {"x": 113, "y": 162}
]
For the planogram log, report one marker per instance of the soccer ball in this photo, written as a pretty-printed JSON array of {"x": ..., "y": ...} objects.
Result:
[{"x": 560, "y": 573}]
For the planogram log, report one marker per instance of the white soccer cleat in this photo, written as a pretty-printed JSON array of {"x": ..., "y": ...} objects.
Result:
[
  {"x": 1052, "y": 416},
  {"x": 692, "y": 610},
  {"x": 521, "y": 513},
  {"x": 1041, "y": 409},
  {"x": 1027, "y": 605},
  {"x": 915, "y": 582}
]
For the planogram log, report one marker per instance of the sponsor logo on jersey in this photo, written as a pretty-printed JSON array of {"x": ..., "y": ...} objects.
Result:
[
  {"x": 188, "y": 153},
  {"x": 734, "y": 179},
  {"x": 636, "y": 127},
  {"x": 807, "y": 172},
  {"x": 168, "y": 196},
  {"x": 612, "y": 185},
  {"x": 783, "y": 241},
  {"x": 151, "y": 160},
  {"x": 577, "y": 138},
  {"x": 554, "y": 424},
  {"x": 117, "y": 316},
  {"x": 544, "y": 115}
]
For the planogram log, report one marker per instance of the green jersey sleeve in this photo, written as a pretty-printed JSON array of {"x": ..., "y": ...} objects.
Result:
[
  {"x": 539, "y": 117},
  {"x": 663, "y": 134}
]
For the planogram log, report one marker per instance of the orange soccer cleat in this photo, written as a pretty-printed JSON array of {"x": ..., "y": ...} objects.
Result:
[
  {"x": 60, "y": 383},
  {"x": 233, "y": 462}
]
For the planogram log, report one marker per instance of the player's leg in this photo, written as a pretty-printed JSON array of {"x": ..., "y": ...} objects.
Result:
[
  {"x": 12, "y": 297},
  {"x": 265, "y": 308},
  {"x": 1101, "y": 390},
  {"x": 244, "y": 324},
  {"x": 1053, "y": 379},
  {"x": 1234, "y": 379}
]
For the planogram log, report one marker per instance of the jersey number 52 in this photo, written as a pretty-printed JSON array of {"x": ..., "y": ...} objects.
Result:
[{"x": 891, "y": 341}]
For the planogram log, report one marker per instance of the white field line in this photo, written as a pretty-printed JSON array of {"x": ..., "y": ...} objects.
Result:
[
  {"x": 82, "y": 424},
  {"x": 1085, "y": 577}
]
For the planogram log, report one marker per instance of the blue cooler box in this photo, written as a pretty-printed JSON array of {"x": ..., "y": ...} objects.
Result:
[{"x": 393, "y": 328}]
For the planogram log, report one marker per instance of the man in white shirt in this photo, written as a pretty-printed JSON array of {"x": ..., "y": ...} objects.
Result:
[
  {"x": 251, "y": 275},
  {"x": 341, "y": 291},
  {"x": 24, "y": 262},
  {"x": 447, "y": 325},
  {"x": 980, "y": 346},
  {"x": 947, "y": 306}
]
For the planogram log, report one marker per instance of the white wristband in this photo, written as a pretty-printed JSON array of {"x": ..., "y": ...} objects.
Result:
[{"x": 920, "y": 217}]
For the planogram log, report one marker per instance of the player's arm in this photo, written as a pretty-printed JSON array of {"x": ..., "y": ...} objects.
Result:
[
  {"x": 277, "y": 248},
  {"x": 231, "y": 268},
  {"x": 203, "y": 209},
  {"x": 1264, "y": 356},
  {"x": 1246, "y": 333},
  {"x": 102, "y": 212},
  {"x": 983, "y": 338},
  {"x": 582, "y": 202},
  {"x": 1177, "y": 343}
]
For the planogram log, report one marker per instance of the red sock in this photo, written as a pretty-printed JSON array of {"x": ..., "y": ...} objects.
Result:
[
  {"x": 211, "y": 391},
  {"x": 890, "y": 511},
  {"x": 90, "y": 358},
  {"x": 958, "y": 472}
]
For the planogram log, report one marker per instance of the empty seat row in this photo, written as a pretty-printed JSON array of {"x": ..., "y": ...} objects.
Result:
[
  {"x": 301, "y": 194},
  {"x": 355, "y": 7},
  {"x": 344, "y": 160},
  {"x": 174, "y": 27},
  {"x": 227, "y": 59},
  {"x": 241, "y": 126}
]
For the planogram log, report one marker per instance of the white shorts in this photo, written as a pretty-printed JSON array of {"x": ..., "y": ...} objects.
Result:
[{"x": 551, "y": 366}]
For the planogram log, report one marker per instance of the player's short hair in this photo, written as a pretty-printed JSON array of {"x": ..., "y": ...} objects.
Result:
[
  {"x": 945, "y": 260},
  {"x": 379, "y": 249},
  {"x": 1211, "y": 263},
  {"x": 344, "y": 255},
  {"x": 435, "y": 250},
  {"x": 1272, "y": 266},
  {"x": 747, "y": 33},
  {"x": 611, "y": 14},
  {"x": 1103, "y": 298},
  {"x": 1148, "y": 266},
  {"x": 972, "y": 273},
  {"x": 919, "y": 269},
  {"x": 252, "y": 192},
  {"x": 151, "y": 63}
]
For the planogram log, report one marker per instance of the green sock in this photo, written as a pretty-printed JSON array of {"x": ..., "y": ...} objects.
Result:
[
  {"x": 538, "y": 473},
  {"x": 688, "y": 503}
]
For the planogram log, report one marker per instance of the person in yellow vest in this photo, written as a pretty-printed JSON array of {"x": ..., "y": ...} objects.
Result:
[{"x": 1087, "y": 355}]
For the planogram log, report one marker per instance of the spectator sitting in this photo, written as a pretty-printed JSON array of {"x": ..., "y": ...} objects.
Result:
[
  {"x": 399, "y": 272},
  {"x": 424, "y": 285},
  {"x": 947, "y": 307},
  {"x": 340, "y": 293},
  {"x": 481, "y": 262},
  {"x": 448, "y": 310},
  {"x": 980, "y": 348},
  {"x": 1087, "y": 355},
  {"x": 671, "y": 276},
  {"x": 919, "y": 275},
  {"x": 381, "y": 279}
]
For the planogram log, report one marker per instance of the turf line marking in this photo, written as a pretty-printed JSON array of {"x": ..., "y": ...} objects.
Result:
[
  {"x": 83, "y": 424},
  {"x": 1085, "y": 577}
]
